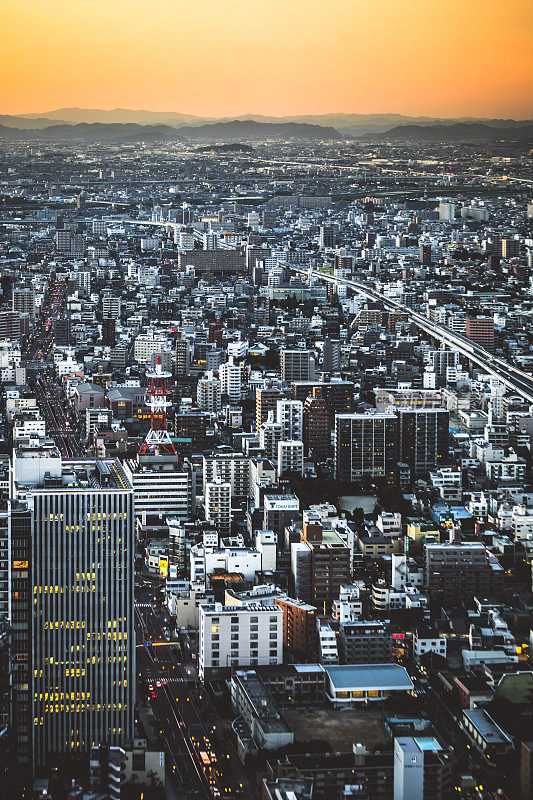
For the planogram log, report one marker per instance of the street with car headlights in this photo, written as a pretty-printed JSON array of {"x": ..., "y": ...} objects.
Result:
[{"x": 201, "y": 760}]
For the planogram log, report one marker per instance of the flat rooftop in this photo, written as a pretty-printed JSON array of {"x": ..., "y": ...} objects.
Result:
[
  {"x": 339, "y": 728},
  {"x": 38, "y": 471},
  {"x": 486, "y": 727},
  {"x": 359, "y": 677}
]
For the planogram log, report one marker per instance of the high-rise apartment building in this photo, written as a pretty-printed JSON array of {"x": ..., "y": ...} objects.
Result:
[
  {"x": 331, "y": 355},
  {"x": 109, "y": 338},
  {"x": 425, "y": 254},
  {"x": 214, "y": 261},
  {"x": 338, "y": 394},
  {"x": 233, "y": 468},
  {"x": 209, "y": 393},
  {"x": 218, "y": 505},
  {"x": 270, "y": 435},
  {"x": 456, "y": 572},
  {"x": 365, "y": 446},
  {"x": 72, "y": 535},
  {"x": 480, "y": 330},
  {"x": 290, "y": 456},
  {"x": 11, "y": 326},
  {"x": 266, "y": 399},
  {"x": 442, "y": 359},
  {"x": 5, "y": 610},
  {"x": 231, "y": 381},
  {"x": 111, "y": 306},
  {"x": 325, "y": 566},
  {"x": 510, "y": 248},
  {"x": 183, "y": 358},
  {"x": 326, "y": 236},
  {"x": 423, "y": 438},
  {"x": 300, "y": 638},
  {"x": 62, "y": 331},
  {"x": 162, "y": 485},
  {"x": 447, "y": 212},
  {"x": 316, "y": 427},
  {"x": 68, "y": 241},
  {"x": 289, "y": 414},
  {"x": 23, "y": 300},
  {"x": 297, "y": 365}
]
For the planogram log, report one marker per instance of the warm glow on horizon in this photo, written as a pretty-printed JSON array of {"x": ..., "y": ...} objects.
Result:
[{"x": 277, "y": 57}]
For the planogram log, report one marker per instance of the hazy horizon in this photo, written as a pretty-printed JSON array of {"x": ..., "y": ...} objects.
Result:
[{"x": 187, "y": 113}]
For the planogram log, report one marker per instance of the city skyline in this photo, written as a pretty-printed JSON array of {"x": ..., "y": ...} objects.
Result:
[{"x": 281, "y": 59}]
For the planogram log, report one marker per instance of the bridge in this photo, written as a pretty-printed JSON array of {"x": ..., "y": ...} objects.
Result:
[{"x": 513, "y": 378}]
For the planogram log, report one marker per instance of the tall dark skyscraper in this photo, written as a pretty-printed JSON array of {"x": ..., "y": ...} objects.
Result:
[
  {"x": 62, "y": 331},
  {"x": 108, "y": 332},
  {"x": 331, "y": 355},
  {"x": 316, "y": 427},
  {"x": 71, "y": 529},
  {"x": 423, "y": 438},
  {"x": 365, "y": 446},
  {"x": 425, "y": 254}
]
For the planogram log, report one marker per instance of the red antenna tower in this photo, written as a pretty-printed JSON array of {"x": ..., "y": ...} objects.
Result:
[{"x": 158, "y": 439}]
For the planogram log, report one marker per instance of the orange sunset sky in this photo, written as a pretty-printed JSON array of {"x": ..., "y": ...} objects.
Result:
[{"x": 224, "y": 57}]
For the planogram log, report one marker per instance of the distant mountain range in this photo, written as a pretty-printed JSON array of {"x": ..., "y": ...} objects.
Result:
[
  {"x": 353, "y": 124},
  {"x": 456, "y": 132},
  {"x": 217, "y": 131},
  {"x": 128, "y": 125}
]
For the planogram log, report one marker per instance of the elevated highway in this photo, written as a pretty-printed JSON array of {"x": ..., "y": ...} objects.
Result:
[{"x": 513, "y": 378}]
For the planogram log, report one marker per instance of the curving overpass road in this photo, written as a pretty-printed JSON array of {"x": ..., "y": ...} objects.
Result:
[{"x": 515, "y": 379}]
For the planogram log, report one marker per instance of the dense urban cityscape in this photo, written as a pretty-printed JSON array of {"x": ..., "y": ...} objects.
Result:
[{"x": 266, "y": 468}]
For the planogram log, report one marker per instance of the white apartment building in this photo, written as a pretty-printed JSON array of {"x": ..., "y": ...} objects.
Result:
[
  {"x": 185, "y": 239},
  {"x": 29, "y": 425},
  {"x": 289, "y": 414},
  {"x": 231, "y": 381},
  {"x": 111, "y": 307},
  {"x": 270, "y": 434},
  {"x": 266, "y": 545},
  {"x": 183, "y": 600},
  {"x": 522, "y": 522},
  {"x": 233, "y": 468},
  {"x": 204, "y": 560},
  {"x": 146, "y": 344},
  {"x": 14, "y": 404},
  {"x": 208, "y": 393},
  {"x": 510, "y": 467},
  {"x": 447, "y": 211},
  {"x": 162, "y": 487},
  {"x": 327, "y": 644},
  {"x": 422, "y": 643},
  {"x": 238, "y": 349},
  {"x": 389, "y": 598},
  {"x": 290, "y": 457},
  {"x": 218, "y": 505},
  {"x": 389, "y": 523},
  {"x": 239, "y": 636},
  {"x": 262, "y": 475}
]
